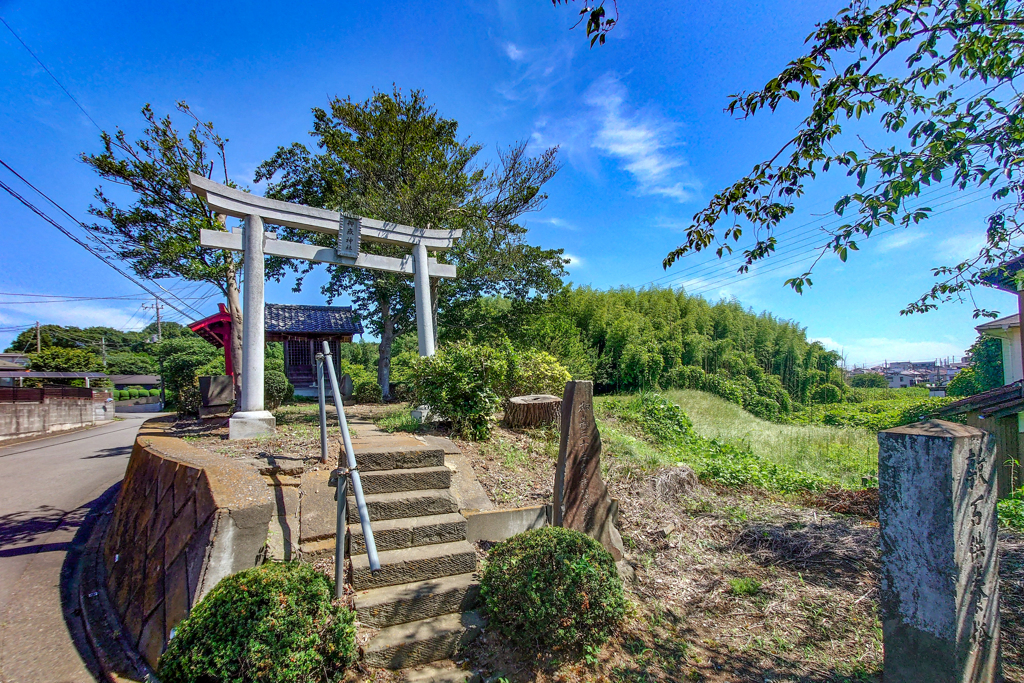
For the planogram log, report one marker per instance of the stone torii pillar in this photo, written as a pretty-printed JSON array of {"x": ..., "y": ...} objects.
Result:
[{"x": 253, "y": 419}]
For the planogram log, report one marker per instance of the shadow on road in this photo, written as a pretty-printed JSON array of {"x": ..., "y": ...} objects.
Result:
[{"x": 20, "y": 528}]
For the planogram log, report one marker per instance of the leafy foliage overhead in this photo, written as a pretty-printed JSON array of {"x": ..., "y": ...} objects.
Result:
[{"x": 939, "y": 77}]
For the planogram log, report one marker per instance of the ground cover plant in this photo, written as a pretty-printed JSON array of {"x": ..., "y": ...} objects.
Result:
[{"x": 271, "y": 623}]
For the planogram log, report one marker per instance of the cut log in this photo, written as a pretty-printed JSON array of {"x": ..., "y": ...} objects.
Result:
[{"x": 533, "y": 410}]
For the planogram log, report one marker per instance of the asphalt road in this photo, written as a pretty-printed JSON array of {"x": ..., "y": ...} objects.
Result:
[{"x": 48, "y": 488}]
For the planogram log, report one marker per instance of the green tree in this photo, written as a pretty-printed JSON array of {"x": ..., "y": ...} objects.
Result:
[
  {"x": 157, "y": 233},
  {"x": 58, "y": 359},
  {"x": 127, "y": 363},
  {"x": 938, "y": 77},
  {"x": 985, "y": 370},
  {"x": 869, "y": 380},
  {"x": 394, "y": 158}
]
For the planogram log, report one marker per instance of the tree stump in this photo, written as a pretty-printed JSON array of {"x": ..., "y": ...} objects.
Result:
[{"x": 533, "y": 410}]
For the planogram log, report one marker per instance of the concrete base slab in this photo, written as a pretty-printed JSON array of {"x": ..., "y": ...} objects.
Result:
[{"x": 250, "y": 424}]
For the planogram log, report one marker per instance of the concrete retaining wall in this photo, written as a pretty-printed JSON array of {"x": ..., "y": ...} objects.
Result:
[
  {"x": 19, "y": 420},
  {"x": 497, "y": 525},
  {"x": 184, "y": 520}
]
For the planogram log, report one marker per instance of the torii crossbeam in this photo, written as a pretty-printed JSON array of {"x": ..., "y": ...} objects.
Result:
[{"x": 255, "y": 243}]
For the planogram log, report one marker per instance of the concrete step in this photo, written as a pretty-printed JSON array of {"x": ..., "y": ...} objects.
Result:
[
  {"x": 417, "y": 479},
  {"x": 414, "y": 564},
  {"x": 374, "y": 457},
  {"x": 407, "y": 532},
  {"x": 403, "y": 504},
  {"x": 383, "y": 607},
  {"x": 423, "y": 641}
]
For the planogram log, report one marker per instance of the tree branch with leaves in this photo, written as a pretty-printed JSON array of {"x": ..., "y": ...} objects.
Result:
[
  {"x": 940, "y": 78},
  {"x": 157, "y": 232}
]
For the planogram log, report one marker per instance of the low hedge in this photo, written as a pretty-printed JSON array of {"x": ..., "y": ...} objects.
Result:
[
  {"x": 270, "y": 624},
  {"x": 553, "y": 587}
]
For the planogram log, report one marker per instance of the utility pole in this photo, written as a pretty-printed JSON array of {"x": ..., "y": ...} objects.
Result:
[
  {"x": 39, "y": 342},
  {"x": 159, "y": 329},
  {"x": 103, "y": 347}
]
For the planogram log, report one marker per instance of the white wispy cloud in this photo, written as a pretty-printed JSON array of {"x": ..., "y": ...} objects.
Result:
[
  {"x": 899, "y": 240},
  {"x": 554, "y": 222},
  {"x": 645, "y": 144},
  {"x": 574, "y": 261},
  {"x": 514, "y": 53}
]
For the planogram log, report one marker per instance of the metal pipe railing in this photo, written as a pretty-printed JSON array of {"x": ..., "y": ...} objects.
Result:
[
  {"x": 323, "y": 406},
  {"x": 353, "y": 471}
]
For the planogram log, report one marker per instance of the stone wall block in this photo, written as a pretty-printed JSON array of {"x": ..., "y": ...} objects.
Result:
[
  {"x": 162, "y": 519},
  {"x": 205, "y": 504},
  {"x": 196, "y": 557},
  {"x": 151, "y": 640},
  {"x": 133, "y": 617},
  {"x": 177, "y": 597},
  {"x": 153, "y": 587},
  {"x": 184, "y": 485},
  {"x": 179, "y": 533},
  {"x": 165, "y": 483}
]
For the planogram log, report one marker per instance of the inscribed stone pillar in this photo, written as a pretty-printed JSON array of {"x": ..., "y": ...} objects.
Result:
[
  {"x": 581, "y": 497},
  {"x": 940, "y": 568}
]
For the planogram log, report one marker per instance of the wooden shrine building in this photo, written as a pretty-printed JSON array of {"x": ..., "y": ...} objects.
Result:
[{"x": 302, "y": 330}]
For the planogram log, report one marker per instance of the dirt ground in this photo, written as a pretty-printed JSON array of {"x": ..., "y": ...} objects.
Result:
[{"x": 730, "y": 585}]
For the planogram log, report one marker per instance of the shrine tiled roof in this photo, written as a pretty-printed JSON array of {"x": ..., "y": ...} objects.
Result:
[{"x": 312, "y": 319}]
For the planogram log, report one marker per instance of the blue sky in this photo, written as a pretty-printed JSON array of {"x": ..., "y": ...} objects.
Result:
[{"x": 640, "y": 124}]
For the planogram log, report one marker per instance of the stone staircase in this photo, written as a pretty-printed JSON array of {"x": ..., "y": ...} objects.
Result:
[{"x": 421, "y": 601}]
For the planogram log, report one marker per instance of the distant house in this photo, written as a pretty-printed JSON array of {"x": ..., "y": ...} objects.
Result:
[
  {"x": 907, "y": 378},
  {"x": 1007, "y": 331}
]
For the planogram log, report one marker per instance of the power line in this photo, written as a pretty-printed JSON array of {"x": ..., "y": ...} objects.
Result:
[
  {"x": 93, "y": 236},
  {"x": 700, "y": 269},
  {"x": 47, "y": 70},
  {"x": 744, "y": 276},
  {"x": 39, "y": 212}
]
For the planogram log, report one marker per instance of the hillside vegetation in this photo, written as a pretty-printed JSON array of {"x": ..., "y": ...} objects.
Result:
[{"x": 841, "y": 454}]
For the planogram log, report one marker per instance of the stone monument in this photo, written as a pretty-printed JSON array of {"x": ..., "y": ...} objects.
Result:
[
  {"x": 581, "y": 497},
  {"x": 940, "y": 568}
]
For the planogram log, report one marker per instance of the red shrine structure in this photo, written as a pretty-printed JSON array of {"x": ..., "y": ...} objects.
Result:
[{"x": 302, "y": 329}]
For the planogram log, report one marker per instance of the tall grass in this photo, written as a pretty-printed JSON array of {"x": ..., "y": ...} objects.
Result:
[{"x": 841, "y": 454}]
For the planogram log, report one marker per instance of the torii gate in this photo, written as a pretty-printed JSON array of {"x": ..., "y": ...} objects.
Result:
[{"x": 253, "y": 419}]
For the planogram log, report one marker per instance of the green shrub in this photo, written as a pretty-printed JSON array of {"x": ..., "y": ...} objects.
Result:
[
  {"x": 268, "y": 624},
  {"x": 190, "y": 400},
  {"x": 1011, "y": 510},
  {"x": 120, "y": 395},
  {"x": 869, "y": 380},
  {"x": 367, "y": 392},
  {"x": 764, "y": 408},
  {"x": 553, "y": 587},
  {"x": 154, "y": 393},
  {"x": 133, "y": 393},
  {"x": 826, "y": 393},
  {"x": 275, "y": 388},
  {"x": 456, "y": 383},
  {"x": 529, "y": 371}
]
